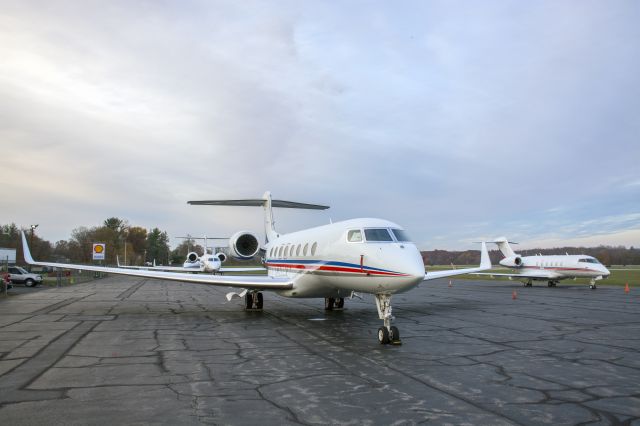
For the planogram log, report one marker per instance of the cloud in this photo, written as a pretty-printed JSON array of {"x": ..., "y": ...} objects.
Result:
[{"x": 454, "y": 122}]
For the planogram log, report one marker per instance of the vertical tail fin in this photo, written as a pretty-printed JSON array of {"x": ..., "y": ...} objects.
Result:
[{"x": 505, "y": 248}]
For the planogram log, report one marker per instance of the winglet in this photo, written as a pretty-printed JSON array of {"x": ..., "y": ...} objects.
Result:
[
  {"x": 26, "y": 251},
  {"x": 485, "y": 261}
]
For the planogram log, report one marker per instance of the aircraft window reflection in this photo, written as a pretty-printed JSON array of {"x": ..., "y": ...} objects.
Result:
[
  {"x": 377, "y": 234},
  {"x": 304, "y": 250},
  {"x": 313, "y": 249},
  {"x": 401, "y": 235},
  {"x": 354, "y": 236},
  {"x": 588, "y": 260}
]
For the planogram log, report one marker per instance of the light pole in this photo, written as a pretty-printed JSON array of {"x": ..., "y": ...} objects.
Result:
[
  {"x": 33, "y": 228},
  {"x": 125, "y": 235}
]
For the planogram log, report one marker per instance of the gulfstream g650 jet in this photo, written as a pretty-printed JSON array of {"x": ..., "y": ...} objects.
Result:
[{"x": 332, "y": 262}]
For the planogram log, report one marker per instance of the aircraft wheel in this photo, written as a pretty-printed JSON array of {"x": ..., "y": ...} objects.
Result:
[
  {"x": 383, "y": 335},
  {"x": 259, "y": 302},
  {"x": 248, "y": 301},
  {"x": 592, "y": 286},
  {"x": 394, "y": 336},
  {"x": 340, "y": 303},
  {"x": 550, "y": 284},
  {"x": 328, "y": 303}
]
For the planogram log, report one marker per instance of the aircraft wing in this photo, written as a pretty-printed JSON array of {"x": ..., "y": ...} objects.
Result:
[
  {"x": 253, "y": 269},
  {"x": 191, "y": 269},
  {"x": 159, "y": 268},
  {"x": 261, "y": 282},
  {"x": 485, "y": 263},
  {"x": 540, "y": 274}
]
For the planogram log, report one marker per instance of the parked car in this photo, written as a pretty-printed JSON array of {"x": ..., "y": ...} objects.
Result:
[{"x": 17, "y": 275}]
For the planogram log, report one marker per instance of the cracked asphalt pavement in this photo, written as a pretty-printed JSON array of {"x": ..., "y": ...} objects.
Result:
[{"x": 129, "y": 350}]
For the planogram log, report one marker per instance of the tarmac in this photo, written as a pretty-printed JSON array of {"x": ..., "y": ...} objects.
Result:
[{"x": 137, "y": 351}]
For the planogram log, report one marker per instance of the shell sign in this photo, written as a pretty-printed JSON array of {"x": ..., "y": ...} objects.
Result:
[{"x": 98, "y": 251}]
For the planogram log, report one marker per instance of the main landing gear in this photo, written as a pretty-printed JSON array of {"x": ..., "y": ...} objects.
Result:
[
  {"x": 253, "y": 301},
  {"x": 529, "y": 283},
  {"x": 333, "y": 303},
  {"x": 387, "y": 334},
  {"x": 552, "y": 283}
]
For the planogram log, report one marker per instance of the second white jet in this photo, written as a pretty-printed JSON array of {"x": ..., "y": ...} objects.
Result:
[{"x": 550, "y": 268}]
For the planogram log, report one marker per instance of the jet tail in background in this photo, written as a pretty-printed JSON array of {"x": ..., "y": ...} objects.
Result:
[{"x": 505, "y": 248}]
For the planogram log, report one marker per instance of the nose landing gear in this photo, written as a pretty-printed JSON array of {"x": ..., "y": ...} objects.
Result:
[{"x": 387, "y": 334}]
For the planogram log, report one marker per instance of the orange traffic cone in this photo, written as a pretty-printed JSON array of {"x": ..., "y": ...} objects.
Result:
[
  {"x": 626, "y": 288},
  {"x": 514, "y": 295}
]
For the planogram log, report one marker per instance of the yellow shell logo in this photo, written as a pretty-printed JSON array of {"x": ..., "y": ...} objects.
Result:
[{"x": 98, "y": 249}]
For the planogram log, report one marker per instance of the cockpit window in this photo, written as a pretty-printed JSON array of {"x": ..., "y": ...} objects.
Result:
[
  {"x": 588, "y": 260},
  {"x": 377, "y": 234},
  {"x": 354, "y": 236},
  {"x": 401, "y": 235}
]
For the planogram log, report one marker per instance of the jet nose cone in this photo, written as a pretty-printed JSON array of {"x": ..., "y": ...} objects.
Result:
[{"x": 416, "y": 269}]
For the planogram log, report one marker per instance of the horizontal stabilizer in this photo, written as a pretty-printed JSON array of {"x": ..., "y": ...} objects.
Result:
[{"x": 259, "y": 203}]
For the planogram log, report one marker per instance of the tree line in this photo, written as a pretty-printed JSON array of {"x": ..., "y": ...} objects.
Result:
[
  {"x": 607, "y": 255},
  {"x": 142, "y": 245},
  {"x": 137, "y": 243}
]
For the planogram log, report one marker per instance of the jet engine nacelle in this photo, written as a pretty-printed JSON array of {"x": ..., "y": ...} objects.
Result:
[
  {"x": 244, "y": 245},
  {"x": 221, "y": 256},
  {"x": 512, "y": 262},
  {"x": 192, "y": 257}
]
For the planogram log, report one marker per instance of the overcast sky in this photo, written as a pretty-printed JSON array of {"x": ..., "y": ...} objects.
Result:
[{"x": 457, "y": 120}]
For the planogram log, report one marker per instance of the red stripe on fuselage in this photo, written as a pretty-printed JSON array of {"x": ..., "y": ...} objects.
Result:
[
  {"x": 558, "y": 268},
  {"x": 332, "y": 269}
]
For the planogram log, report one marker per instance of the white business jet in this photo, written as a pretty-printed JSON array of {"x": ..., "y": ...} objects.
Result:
[
  {"x": 332, "y": 262},
  {"x": 549, "y": 268},
  {"x": 209, "y": 262}
]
